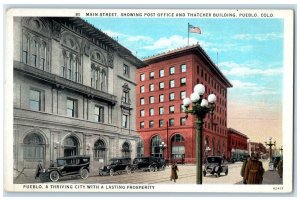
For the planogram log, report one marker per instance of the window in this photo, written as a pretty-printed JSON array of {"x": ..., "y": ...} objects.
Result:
[
  {"x": 126, "y": 150},
  {"x": 35, "y": 100},
  {"x": 125, "y": 70},
  {"x": 182, "y": 121},
  {"x": 161, "y": 98},
  {"x": 34, "y": 147},
  {"x": 171, "y": 122},
  {"x": 151, "y": 99},
  {"x": 151, "y": 87},
  {"x": 99, "y": 114},
  {"x": 151, "y": 124},
  {"x": 183, "y": 68},
  {"x": 171, "y": 96},
  {"x": 171, "y": 109},
  {"x": 43, "y": 56},
  {"x": 182, "y": 95},
  {"x": 161, "y": 85},
  {"x": 142, "y": 89},
  {"x": 142, "y": 77},
  {"x": 34, "y": 50},
  {"x": 142, "y": 113},
  {"x": 161, "y": 73},
  {"x": 182, "y": 108},
  {"x": 151, "y": 112},
  {"x": 71, "y": 107},
  {"x": 172, "y": 70},
  {"x": 125, "y": 121},
  {"x": 183, "y": 81},
  {"x": 25, "y": 48},
  {"x": 161, "y": 110},
  {"x": 125, "y": 97},
  {"x": 172, "y": 83},
  {"x": 151, "y": 76},
  {"x": 142, "y": 101},
  {"x": 100, "y": 149},
  {"x": 142, "y": 124},
  {"x": 161, "y": 123}
]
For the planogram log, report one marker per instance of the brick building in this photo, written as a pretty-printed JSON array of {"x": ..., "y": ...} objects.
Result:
[
  {"x": 74, "y": 94},
  {"x": 237, "y": 144},
  {"x": 162, "y": 85}
]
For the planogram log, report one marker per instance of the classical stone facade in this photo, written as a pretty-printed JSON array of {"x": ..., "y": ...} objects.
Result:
[{"x": 74, "y": 94}]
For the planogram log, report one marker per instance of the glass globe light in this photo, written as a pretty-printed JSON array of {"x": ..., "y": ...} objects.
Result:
[
  {"x": 199, "y": 89},
  {"x": 212, "y": 98},
  {"x": 194, "y": 97},
  {"x": 186, "y": 102},
  {"x": 204, "y": 103}
]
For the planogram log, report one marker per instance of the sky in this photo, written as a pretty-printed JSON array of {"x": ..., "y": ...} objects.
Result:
[{"x": 248, "y": 51}]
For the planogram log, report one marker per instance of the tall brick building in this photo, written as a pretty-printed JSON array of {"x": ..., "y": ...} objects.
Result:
[
  {"x": 162, "y": 85},
  {"x": 238, "y": 145}
]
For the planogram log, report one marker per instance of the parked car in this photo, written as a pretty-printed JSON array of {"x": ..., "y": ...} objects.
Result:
[
  {"x": 161, "y": 163},
  {"x": 65, "y": 166},
  {"x": 145, "y": 163},
  {"x": 215, "y": 166},
  {"x": 116, "y": 166}
]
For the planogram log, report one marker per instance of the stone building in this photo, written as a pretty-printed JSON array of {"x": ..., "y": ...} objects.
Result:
[
  {"x": 162, "y": 85},
  {"x": 74, "y": 94}
]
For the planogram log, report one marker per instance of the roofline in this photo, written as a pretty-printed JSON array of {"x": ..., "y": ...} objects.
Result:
[
  {"x": 198, "y": 49},
  {"x": 237, "y": 132}
]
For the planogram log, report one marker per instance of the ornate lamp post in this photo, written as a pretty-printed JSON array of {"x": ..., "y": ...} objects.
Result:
[
  {"x": 270, "y": 144},
  {"x": 162, "y": 147},
  {"x": 200, "y": 108},
  {"x": 281, "y": 151},
  {"x": 207, "y": 149}
]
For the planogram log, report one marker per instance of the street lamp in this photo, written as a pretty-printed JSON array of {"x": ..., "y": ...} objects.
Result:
[
  {"x": 270, "y": 144},
  {"x": 281, "y": 151},
  {"x": 200, "y": 108},
  {"x": 162, "y": 147}
]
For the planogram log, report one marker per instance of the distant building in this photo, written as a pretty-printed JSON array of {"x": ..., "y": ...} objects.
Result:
[
  {"x": 237, "y": 144},
  {"x": 74, "y": 94},
  {"x": 162, "y": 85}
]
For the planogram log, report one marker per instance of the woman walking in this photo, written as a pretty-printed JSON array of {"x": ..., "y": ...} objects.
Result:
[{"x": 174, "y": 170}]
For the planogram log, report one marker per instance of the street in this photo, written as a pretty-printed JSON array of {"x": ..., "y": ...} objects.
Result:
[{"x": 186, "y": 174}]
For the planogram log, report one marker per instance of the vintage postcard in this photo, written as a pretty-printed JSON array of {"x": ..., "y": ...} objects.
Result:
[{"x": 149, "y": 100}]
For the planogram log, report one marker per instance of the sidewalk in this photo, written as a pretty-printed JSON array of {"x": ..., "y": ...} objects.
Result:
[{"x": 270, "y": 177}]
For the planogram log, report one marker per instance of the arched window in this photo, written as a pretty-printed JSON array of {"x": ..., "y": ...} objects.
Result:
[
  {"x": 103, "y": 81},
  {"x": 34, "y": 52},
  {"x": 126, "y": 149},
  {"x": 25, "y": 49},
  {"x": 178, "y": 148},
  {"x": 155, "y": 148},
  {"x": 43, "y": 56},
  {"x": 71, "y": 146},
  {"x": 99, "y": 149},
  {"x": 34, "y": 147}
]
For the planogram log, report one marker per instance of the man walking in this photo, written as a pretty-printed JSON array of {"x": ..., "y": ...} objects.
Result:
[
  {"x": 254, "y": 171},
  {"x": 244, "y": 167}
]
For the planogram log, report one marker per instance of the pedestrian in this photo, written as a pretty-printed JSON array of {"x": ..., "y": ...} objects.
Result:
[
  {"x": 243, "y": 168},
  {"x": 254, "y": 171},
  {"x": 280, "y": 168},
  {"x": 174, "y": 170}
]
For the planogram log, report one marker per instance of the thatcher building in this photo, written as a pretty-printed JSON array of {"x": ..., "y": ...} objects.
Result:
[
  {"x": 162, "y": 85},
  {"x": 74, "y": 94}
]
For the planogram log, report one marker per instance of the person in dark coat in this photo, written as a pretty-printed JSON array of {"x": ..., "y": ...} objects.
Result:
[
  {"x": 280, "y": 168},
  {"x": 244, "y": 167},
  {"x": 254, "y": 171},
  {"x": 174, "y": 170}
]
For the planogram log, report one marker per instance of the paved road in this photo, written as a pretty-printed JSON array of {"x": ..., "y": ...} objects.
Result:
[{"x": 186, "y": 174}]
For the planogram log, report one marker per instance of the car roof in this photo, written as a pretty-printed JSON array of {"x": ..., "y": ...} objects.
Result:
[{"x": 72, "y": 157}]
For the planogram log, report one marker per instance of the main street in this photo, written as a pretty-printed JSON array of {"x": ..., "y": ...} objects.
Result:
[{"x": 186, "y": 174}]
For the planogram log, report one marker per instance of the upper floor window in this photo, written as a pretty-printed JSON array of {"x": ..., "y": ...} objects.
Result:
[
  {"x": 172, "y": 83},
  {"x": 171, "y": 122},
  {"x": 182, "y": 95},
  {"x": 151, "y": 124},
  {"x": 151, "y": 112},
  {"x": 161, "y": 85},
  {"x": 171, "y": 109},
  {"x": 161, "y": 73},
  {"x": 161, "y": 110},
  {"x": 151, "y": 76},
  {"x": 99, "y": 114},
  {"x": 142, "y": 101},
  {"x": 161, "y": 98},
  {"x": 35, "y": 100},
  {"x": 98, "y": 77},
  {"x": 142, "y": 77},
  {"x": 182, "y": 121},
  {"x": 125, "y": 70},
  {"x": 171, "y": 96},
  {"x": 183, "y": 68},
  {"x": 71, "y": 107},
  {"x": 142, "y": 124},
  {"x": 142, "y": 89},
  {"x": 125, "y": 97},
  {"x": 172, "y": 70},
  {"x": 161, "y": 123},
  {"x": 183, "y": 81},
  {"x": 142, "y": 113},
  {"x": 151, "y": 99},
  {"x": 151, "y": 87},
  {"x": 125, "y": 122}
]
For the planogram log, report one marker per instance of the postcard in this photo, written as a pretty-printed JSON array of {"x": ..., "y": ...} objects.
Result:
[{"x": 149, "y": 100}]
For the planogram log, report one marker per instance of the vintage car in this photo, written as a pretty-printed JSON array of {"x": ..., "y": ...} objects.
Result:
[
  {"x": 161, "y": 163},
  {"x": 145, "y": 163},
  {"x": 116, "y": 166},
  {"x": 65, "y": 166},
  {"x": 215, "y": 166}
]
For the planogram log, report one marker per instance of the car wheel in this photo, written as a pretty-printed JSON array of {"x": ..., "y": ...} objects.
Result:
[
  {"x": 151, "y": 169},
  {"x": 204, "y": 173},
  {"x": 226, "y": 172},
  {"x": 128, "y": 170},
  {"x": 54, "y": 176},
  {"x": 84, "y": 173},
  {"x": 111, "y": 172}
]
